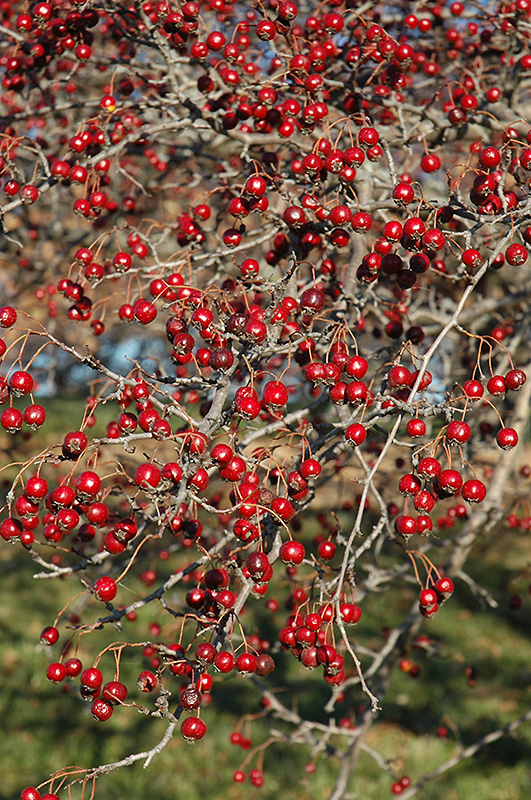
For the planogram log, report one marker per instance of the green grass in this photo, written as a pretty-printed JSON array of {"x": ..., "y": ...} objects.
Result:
[{"x": 47, "y": 727}]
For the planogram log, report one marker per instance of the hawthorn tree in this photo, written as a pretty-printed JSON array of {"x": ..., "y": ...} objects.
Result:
[{"x": 313, "y": 220}]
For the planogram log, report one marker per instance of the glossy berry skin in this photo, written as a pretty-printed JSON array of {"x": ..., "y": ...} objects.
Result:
[
  {"x": 516, "y": 254},
  {"x": 490, "y": 157},
  {"x": 471, "y": 258},
  {"x": 350, "y": 613},
  {"x": 224, "y": 661},
  {"x": 205, "y": 653},
  {"x": 444, "y": 587},
  {"x": 216, "y": 579},
  {"x": 91, "y": 679},
  {"x": 403, "y": 194},
  {"x": 424, "y": 524},
  {"x": 282, "y": 508},
  {"x": 356, "y": 434},
  {"x": 507, "y": 438},
  {"x": 8, "y": 316},
  {"x": 428, "y": 597},
  {"x": 88, "y": 484},
  {"x": 36, "y": 488},
  {"x": 326, "y": 550},
  {"x": 105, "y": 589},
  {"x": 73, "y": 667},
  {"x": 406, "y": 526},
  {"x": 424, "y": 501},
  {"x": 146, "y": 681},
  {"x": 11, "y": 420},
  {"x": 34, "y": 416},
  {"x": 294, "y": 217},
  {"x": 74, "y": 443},
  {"x": 56, "y": 673},
  {"x": 310, "y": 469},
  {"x": 114, "y": 692},
  {"x": 144, "y": 311},
  {"x": 275, "y": 394},
  {"x": 473, "y": 390},
  {"x": 312, "y": 301},
  {"x": 246, "y": 663},
  {"x": 458, "y": 432},
  {"x": 409, "y": 485},
  {"x": 62, "y": 496},
  {"x": 21, "y": 383},
  {"x": 258, "y": 565},
  {"x": 473, "y": 491},
  {"x": 101, "y": 710},
  {"x": 148, "y": 476},
  {"x": 496, "y": 385},
  {"x": 357, "y": 393},
  {"x": 29, "y": 194},
  {"x": 416, "y": 428},
  {"x": 49, "y": 636},
  {"x": 222, "y": 454},
  {"x": 515, "y": 379},
  {"x": 30, "y": 793},
  {"x": 357, "y": 367},
  {"x": 428, "y": 468},
  {"x": 449, "y": 481},
  {"x": 193, "y": 729},
  {"x": 292, "y": 553},
  {"x": 399, "y": 377}
]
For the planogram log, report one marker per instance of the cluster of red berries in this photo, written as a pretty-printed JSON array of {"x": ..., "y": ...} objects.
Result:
[{"x": 305, "y": 225}]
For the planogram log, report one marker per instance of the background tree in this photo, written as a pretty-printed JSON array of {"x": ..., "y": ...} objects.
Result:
[{"x": 283, "y": 248}]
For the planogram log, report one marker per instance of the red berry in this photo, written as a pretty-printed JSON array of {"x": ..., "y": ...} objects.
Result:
[
  {"x": 193, "y": 729},
  {"x": 449, "y": 481},
  {"x": 101, "y": 710},
  {"x": 496, "y": 385},
  {"x": 507, "y": 438},
  {"x": 114, "y": 693},
  {"x": 357, "y": 367},
  {"x": 275, "y": 394},
  {"x": 356, "y": 433},
  {"x": 105, "y": 589},
  {"x": 292, "y": 553},
  {"x": 473, "y": 491},
  {"x": 350, "y": 613},
  {"x": 312, "y": 301},
  {"x": 56, "y": 673},
  {"x": 473, "y": 390},
  {"x": 73, "y": 667},
  {"x": 8, "y": 316},
  {"x": 399, "y": 377},
  {"x": 326, "y": 550},
  {"x": 148, "y": 476},
  {"x": 146, "y": 681},
  {"x": 458, "y": 432},
  {"x": 444, "y": 587},
  {"x": 416, "y": 428},
  {"x": 75, "y": 443},
  {"x": 515, "y": 379},
  {"x": 406, "y": 526},
  {"x": 91, "y": 679},
  {"x": 49, "y": 636},
  {"x": 516, "y": 254}
]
